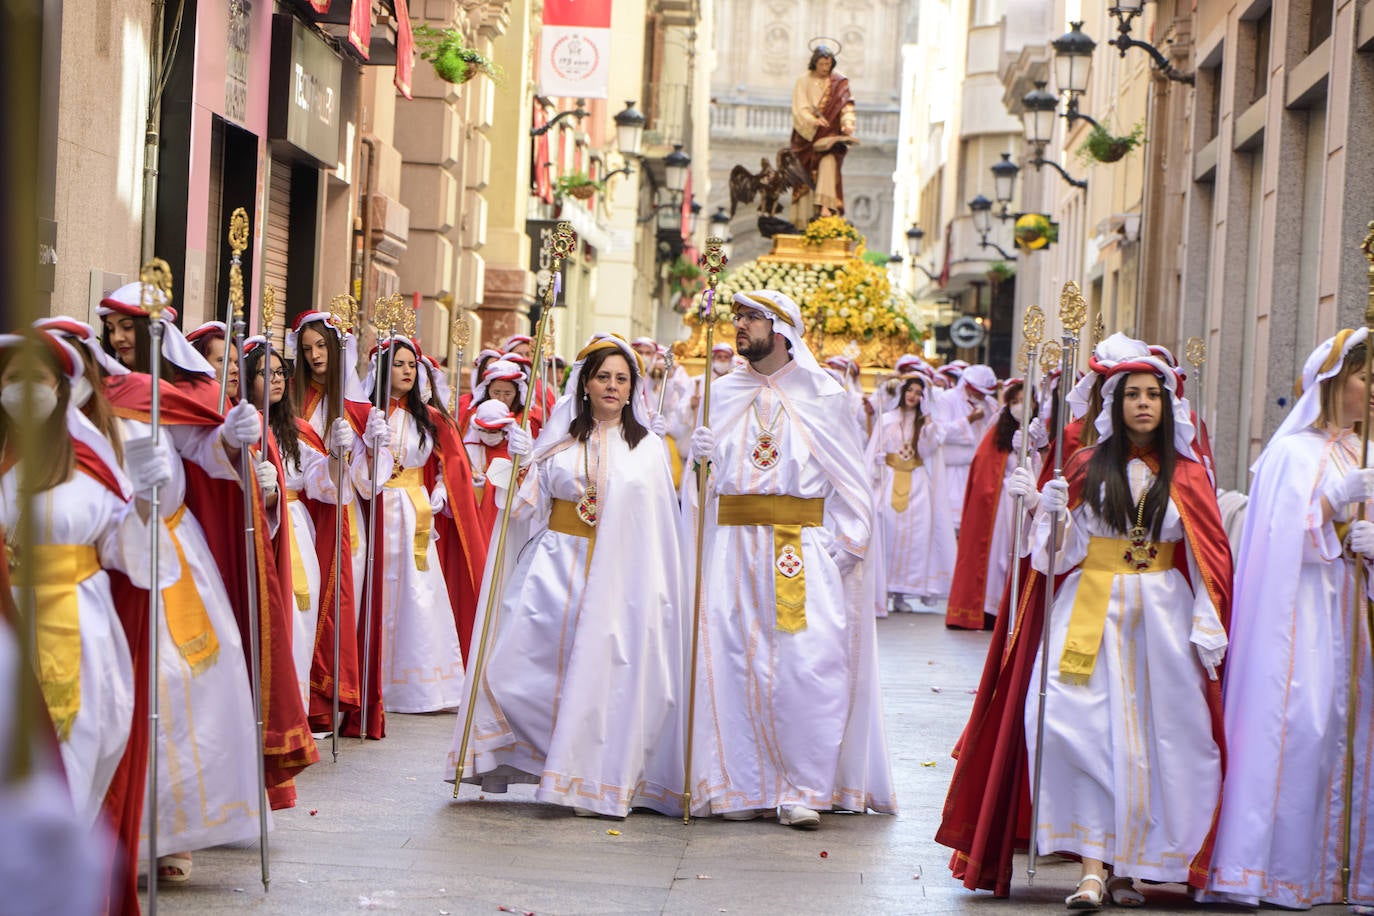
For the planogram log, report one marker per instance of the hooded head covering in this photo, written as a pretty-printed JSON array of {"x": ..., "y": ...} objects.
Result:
[
  {"x": 787, "y": 321},
  {"x": 475, "y": 377},
  {"x": 386, "y": 342},
  {"x": 353, "y": 390},
  {"x": 516, "y": 339},
  {"x": 980, "y": 379},
  {"x": 567, "y": 408},
  {"x": 502, "y": 370},
  {"x": 489, "y": 422},
  {"x": 1184, "y": 433},
  {"x": 82, "y": 333},
  {"x": 1106, "y": 354},
  {"x": 1322, "y": 363},
  {"x": 435, "y": 381},
  {"x": 129, "y": 299}
]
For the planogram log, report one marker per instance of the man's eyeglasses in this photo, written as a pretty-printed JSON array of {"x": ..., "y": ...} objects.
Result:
[{"x": 747, "y": 316}]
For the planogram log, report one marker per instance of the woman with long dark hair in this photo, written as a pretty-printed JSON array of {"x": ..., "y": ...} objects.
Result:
[
  {"x": 1133, "y": 746},
  {"x": 416, "y": 662},
  {"x": 588, "y": 643},
  {"x": 985, "y": 535},
  {"x": 909, "y": 502},
  {"x": 1300, "y": 653}
]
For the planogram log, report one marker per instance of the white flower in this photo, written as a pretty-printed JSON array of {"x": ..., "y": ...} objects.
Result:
[{"x": 844, "y": 313}]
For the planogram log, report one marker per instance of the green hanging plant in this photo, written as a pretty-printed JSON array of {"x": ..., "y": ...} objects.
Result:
[
  {"x": 1103, "y": 146},
  {"x": 453, "y": 61},
  {"x": 576, "y": 184}
]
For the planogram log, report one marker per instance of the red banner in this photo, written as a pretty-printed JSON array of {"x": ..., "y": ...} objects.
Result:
[
  {"x": 575, "y": 49},
  {"x": 405, "y": 49},
  {"x": 590, "y": 14},
  {"x": 360, "y": 27}
]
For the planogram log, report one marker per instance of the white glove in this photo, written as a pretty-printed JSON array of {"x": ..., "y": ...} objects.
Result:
[
  {"x": 1040, "y": 437},
  {"x": 377, "y": 433},
  {"x": 1054, "y": 499},
  {"x": 148, "y": 465},
  {"x": 1361, "y": 539},
  {"x": 340, "y": 436},
  {"x": 659, "y": 425},
  {"x": 242, "y": 426},
  {"x": 703, "y": 442},
  {"x": 436, "y": 503},
  {"x": 1355, "y": 487},
  {"x": 519, "y": 442},
  {"x": 1210, "y": 658},
  {"x": 1022, "y": 483},
  {"x": 267, "y": 477}
]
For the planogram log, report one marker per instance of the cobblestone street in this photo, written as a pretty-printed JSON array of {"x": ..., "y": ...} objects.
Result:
[{"x": 379, "y": 830}]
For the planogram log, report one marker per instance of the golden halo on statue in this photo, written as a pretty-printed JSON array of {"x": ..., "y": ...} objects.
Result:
[{"x": 832, "y": 45}]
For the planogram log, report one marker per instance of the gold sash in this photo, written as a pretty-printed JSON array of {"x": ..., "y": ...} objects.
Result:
[
  {"x": 674, "y": 460},
  {"x": 300, "y": 584},
  {"x": 901, "y": 479},
  {"x": 564, "y": 519},
  {"x": 188, "y": 623},
  {"x": 412, "y": 480},
  {"x": 1107, "y": 558},
  {"x": 60, "y": 568},
  {"x": 787, "y": 515}
]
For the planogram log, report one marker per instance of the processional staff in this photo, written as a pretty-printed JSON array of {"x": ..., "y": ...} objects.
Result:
[
  {"x": 459, "y": 335},
  {"x": 238, "y": 241},
  {"x": 1073, "y": 314},
  {"x": 156, "y": 275},
  {"x": 269, "y": 313},
  {"x": 388, "y": 310},
  {"x": 1032, "y": 330},
  {"x": 560, "y": 245},
  {"x": 345, "y": 311},
  {"x": 1196, "y": 352},
  {"x": 713, "y": 261}
]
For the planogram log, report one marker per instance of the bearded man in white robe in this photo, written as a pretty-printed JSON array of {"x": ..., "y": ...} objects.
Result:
[{"x": 788, "y": 711}]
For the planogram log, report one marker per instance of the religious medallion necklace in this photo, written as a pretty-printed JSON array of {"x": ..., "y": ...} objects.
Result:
[
  {"x": 765, "y": 453},
  {"x": 398, "y": 447},
  {"x": 588, "y": 507},
  {"x": 1142, "y": 551},
  {"x": 906, "y": 452}
]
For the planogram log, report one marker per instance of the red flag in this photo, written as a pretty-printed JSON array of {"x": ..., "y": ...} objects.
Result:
[
  {"x": 949, "y": 250},
  {"x": 360, "y": 26},
  {"x": 543, "y": 184},
  {"x": 686, "y": 214},
  {"x": 405, "y": 49}
]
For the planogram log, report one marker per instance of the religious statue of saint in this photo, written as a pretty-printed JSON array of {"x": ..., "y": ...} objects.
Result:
[{"x": 822, "y": 131}]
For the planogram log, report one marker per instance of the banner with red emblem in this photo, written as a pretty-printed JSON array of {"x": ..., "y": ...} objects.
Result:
[{"x": 574, "y": 49}]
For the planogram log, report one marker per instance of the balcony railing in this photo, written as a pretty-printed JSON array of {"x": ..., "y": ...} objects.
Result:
[{"x": 773, "y": 119}]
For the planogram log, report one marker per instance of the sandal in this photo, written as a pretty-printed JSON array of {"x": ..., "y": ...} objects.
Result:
[
  {"x": 1122, "y": 892},
  {"x": 1084, "y": 898},
  {"x": 174, "y": 869}
]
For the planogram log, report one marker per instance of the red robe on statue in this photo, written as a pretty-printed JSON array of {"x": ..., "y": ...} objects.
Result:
[
  {"x": 982, "y": 495},
  {"x": 986, "y": 816}
]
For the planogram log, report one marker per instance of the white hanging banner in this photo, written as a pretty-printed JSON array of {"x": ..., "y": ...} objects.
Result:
[{"x": 575, "y": 49}]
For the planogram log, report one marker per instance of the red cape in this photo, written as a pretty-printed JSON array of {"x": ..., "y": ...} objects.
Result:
[
  {"x": 288, "y": 746},
  {"x": 462, "y": 550},
  {"x": 323, "y": 515},
  {"x": 986, "y": 815},
  {"x": 983, "y": 493}
]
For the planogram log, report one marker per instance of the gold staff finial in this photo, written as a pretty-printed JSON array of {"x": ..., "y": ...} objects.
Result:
[
  {"x": 1367, "y": 247},
  {"x": 1050, "y": 355},
  {"x": 1099, "y": 329},
  {"x": 461, "y": 332},
  {"x": 1195, "y": 351},
  {"x": 1073, "y": 309},
  {"x": 269, "y": 310},
  {"x": 238, "y": 241},
  {"x": 1023, "y": 357},
  {"x": 344, "y": 308},
  {"x": 1033, "y": 326},
  {"x": 156, "y": 275}
]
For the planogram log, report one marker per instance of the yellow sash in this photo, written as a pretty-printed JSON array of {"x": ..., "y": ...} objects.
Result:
[
  {"x": 412, "y": 480},
  {"x": 1107, "y": 558},
  {"x": 60, "y": 568},
  {"x": 188, "y": 623},
  {"x": 901, "y": 479},
  {"x": 300, "y": 585},
  {"x": 674, "y": 460},
  {"x": 787, "y": 515}
]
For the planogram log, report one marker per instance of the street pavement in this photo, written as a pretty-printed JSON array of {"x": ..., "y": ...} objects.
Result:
[{"x": 380, "y": 830}]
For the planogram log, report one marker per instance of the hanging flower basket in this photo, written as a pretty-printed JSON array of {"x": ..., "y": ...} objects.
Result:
[
  {"x": 1102, "y": 146},
  {"x": 576, "y": 184},
  {"x": 452, "y": 60}
]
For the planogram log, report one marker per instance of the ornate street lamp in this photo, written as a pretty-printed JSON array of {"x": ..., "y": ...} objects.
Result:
[
  {"x": 981, "y": 209},
  {"x": 1125, "y": 11},
  {"x": 629, "y": 130},
  {"x": 675, "y": 166},
  {"x": 1004, "y": 183}
]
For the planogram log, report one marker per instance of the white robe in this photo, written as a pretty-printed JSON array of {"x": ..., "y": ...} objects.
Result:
[
  {"x": 918, "y": 543},
  {"x": 961, "y": 437},
  {"x": 207, "y": 789},
  {"x": 1282, "y": 826},
  {"x": 584, "y": 690},
  {"x": 1131, "y": 773},
  {"x": 84, "y": 512},
  {"x": 358, "y": 469},
  {"x": 421, "y": 661},
  {"x": 778, "y": 712}
]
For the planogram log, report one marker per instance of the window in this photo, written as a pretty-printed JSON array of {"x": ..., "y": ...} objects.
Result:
[
  {"x": 1262, "y": 34},
  {"x": 1319, "y": 23}
]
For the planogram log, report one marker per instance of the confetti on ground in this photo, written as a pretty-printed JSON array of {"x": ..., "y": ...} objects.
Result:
[
  {"x": 613, "y": 832},
  {"x": 314, "y": 811},
  {"x": 703, "y": 877},
  {"x": 935, "y": 690},
  {"x": 510, "y": 909},
  {"x": 382, "y": 900},
  {"x": 971, "y": 690},
  {"x": 824, "y": 854},
  {"x": 299, "y": 880},
  {"x": 441, "y": 912},
  {"x": 927, "y": 763}
]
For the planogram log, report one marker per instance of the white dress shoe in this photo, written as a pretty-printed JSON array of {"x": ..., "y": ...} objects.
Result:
[{"x": 798, "y": 816}]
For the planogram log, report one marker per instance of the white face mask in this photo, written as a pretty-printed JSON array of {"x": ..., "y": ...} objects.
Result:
[
  {"x": 15, "y": 399},
  {"x": 82, "y": 391},
  {"x": 491, "y": 437}
]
